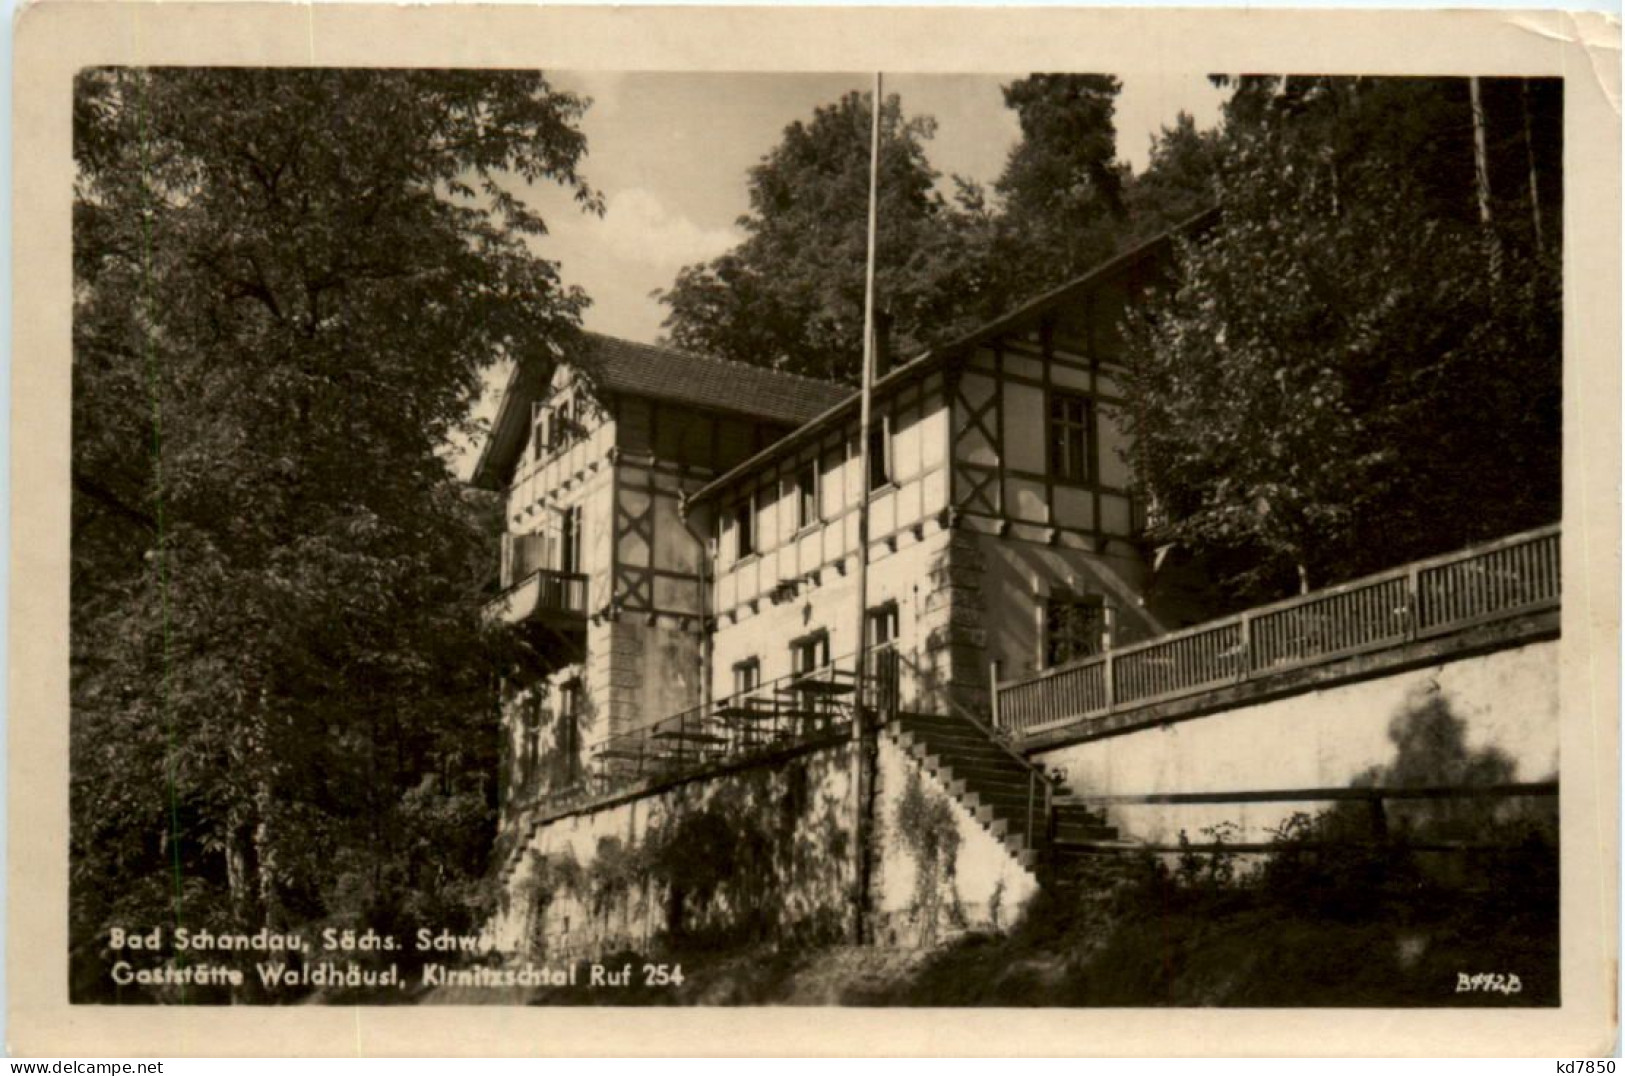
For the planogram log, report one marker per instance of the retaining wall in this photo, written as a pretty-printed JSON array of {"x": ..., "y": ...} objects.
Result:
[{"x": 759, "y": 854}]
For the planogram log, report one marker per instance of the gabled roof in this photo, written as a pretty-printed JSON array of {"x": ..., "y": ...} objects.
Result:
[
  {"x": 620, "y": 367},
  {"x": 1018, "y": 318}
]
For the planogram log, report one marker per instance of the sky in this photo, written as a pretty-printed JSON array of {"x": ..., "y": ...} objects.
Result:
[{"x": 671, "y": 152}]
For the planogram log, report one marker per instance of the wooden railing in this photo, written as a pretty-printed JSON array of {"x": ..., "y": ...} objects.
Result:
[
  {"x": 543, "y": 594},
  {"x": 1509, "y": 577}
]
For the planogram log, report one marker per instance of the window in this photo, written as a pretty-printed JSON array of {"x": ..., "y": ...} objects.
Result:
[
  {"x": 566, "y": 767},
  {"x": 1069, "y": 422},
  {"x": 880, "y": 468},
  {"x": 567, "y": 734},
  {"x": 745, "y": 527},
  {"x": 538, "y": 431},
  {"x": 563, "y": 431},
  {"x": 532, "y": 717},
  {"x": 524, "y": 554},
  {"x": 747, "y": 676},
  {"x": 807, "y": 495},
  {"x": 1074, "y": 627},
  {"x": 809, "y": 653},
  {"x": 882, "y": 624}
]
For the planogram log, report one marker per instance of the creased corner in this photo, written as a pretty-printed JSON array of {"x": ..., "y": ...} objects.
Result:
[{"x": 1595, "y": 32}]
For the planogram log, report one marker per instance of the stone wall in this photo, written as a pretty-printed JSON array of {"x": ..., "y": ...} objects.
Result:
[
  {"x": 938, "y": 871},
  {"x": 952, "y": 628},
  {"x": 754, "y": 855},
  {"x": 759, "y": 855}
]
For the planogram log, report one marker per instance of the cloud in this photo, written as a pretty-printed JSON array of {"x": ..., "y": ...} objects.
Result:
[{"x": 638, "y": 227}]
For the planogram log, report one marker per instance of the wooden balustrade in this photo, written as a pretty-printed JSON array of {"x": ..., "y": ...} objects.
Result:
[{"x": 1510, "y": 577}]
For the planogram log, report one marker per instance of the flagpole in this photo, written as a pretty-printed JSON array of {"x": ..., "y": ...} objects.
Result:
[{"x": 860, "y": 769}]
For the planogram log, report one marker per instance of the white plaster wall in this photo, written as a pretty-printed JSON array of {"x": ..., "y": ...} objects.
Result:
[
  {"x": 1020, "y": 575},
  {"x": 903, "y": 577},
  {"x": 1507, "y": 700}
]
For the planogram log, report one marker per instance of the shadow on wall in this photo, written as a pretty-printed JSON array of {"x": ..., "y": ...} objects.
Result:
[
  {"x": 1355, "y": 854},
  {"x": 1431, "y": 749},
  {"x": 757, "y": 857}
]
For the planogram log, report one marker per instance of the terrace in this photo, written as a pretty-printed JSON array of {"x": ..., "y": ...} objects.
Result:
[{"x": 1502, "y": 580}]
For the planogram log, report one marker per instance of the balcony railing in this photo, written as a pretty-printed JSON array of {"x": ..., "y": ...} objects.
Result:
[
  {"x": 1506, "y": 578},
  {"x": 783, "y": 714},
  {"x": 553, "y": 597}
]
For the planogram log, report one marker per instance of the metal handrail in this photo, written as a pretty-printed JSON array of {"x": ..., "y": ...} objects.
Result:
[{"x": 818, "y": 715}]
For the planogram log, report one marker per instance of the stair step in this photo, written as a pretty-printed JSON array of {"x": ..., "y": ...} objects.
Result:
[
  {"x": 1013, "y": 839},
  {"x": 1001, "y": 793},
  {"x": 961, "y": 785},
  {"x": 961, "y": 758},
  {"x": 973, "y": 768},
  {"x": 967, "y": 737},
  {"x": 937, "y": 721},
  {"x": 964, "y": 762},
  {"x": 1079, "y": 817},
  {"x": 1006, "y": 823},
  {"x": 1008, "y": 797}
]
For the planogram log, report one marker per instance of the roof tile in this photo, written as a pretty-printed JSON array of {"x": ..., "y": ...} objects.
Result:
[{"x": 644, "y": 370}]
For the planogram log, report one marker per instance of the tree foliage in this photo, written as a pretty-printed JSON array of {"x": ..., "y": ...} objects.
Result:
[
  {"x": 791, "y": 295},
  {"x": 1318, "y": 387},
  {"x": 1352, "y": 369},
  {"x": 1063, "y": 186},
  {"x": 287, "y": 286},
  {"x": 1178, "y": 184}
]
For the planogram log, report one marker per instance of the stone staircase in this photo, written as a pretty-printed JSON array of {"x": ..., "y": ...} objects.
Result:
[{"x": 1003, "y": 792}]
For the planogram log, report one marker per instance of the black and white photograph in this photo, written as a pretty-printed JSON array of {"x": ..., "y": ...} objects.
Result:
[{"x": 1048, "y": 536}]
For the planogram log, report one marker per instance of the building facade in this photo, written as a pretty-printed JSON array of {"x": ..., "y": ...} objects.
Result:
[
  {"x": 603, "y": 579},
  {"x": 685, "y": 531}
]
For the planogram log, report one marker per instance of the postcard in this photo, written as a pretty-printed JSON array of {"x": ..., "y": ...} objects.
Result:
[{"x": 1059, "y": 531}]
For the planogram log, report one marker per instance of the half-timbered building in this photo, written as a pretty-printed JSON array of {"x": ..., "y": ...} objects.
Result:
[
  {"x": 682, "y": 543},
  {"x": 1002, "y": 528},
  {"x": 602, "y": 578}
]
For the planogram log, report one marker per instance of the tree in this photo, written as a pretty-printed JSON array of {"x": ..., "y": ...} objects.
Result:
[
  {"x": 1340, "y": 377},
  {"x": 1179, "y": 182},
  {"x": 287, "y": 286},
  {"x": 791, "y": 295}
]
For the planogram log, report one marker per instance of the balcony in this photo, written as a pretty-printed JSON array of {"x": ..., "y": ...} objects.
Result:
[{"x": 553, "y": 599}]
